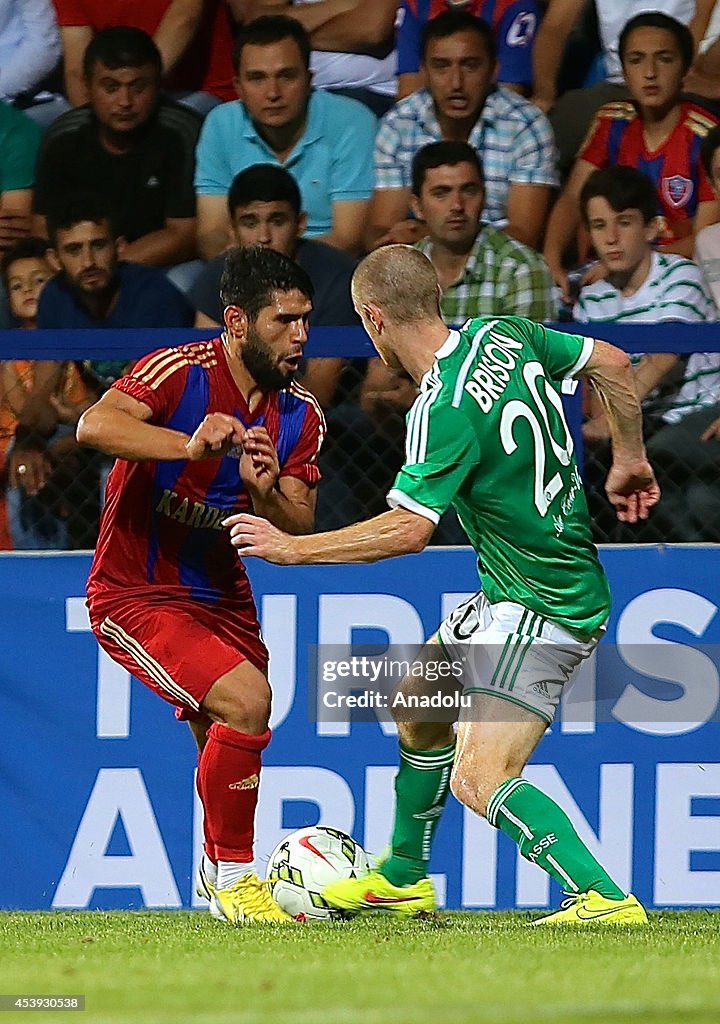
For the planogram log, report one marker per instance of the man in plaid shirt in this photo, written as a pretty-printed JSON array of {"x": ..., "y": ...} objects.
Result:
[
  {"x": 461, "y": 103},
  {"x": 482, "y": 271}
]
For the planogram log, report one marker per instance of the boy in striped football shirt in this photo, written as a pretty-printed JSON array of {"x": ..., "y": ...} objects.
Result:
[
  {"x": 659, "y": 133},
  {"x": 680, "y": 395}
]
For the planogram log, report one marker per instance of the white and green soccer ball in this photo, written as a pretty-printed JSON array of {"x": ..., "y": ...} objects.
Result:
[{"x": 304, "y": 862}]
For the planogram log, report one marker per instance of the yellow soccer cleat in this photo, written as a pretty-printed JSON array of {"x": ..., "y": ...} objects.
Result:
[
  {"x": 592, "y": 908},
  {"x": 247, "y": 902},
  {"x": 374, "y": 892}
]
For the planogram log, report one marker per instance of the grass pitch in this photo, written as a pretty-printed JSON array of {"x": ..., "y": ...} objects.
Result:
[{"x": 173, "y": 968}]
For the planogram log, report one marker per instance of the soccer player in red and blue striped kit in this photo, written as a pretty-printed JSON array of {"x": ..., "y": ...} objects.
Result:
[{"x": 200, "y": 432}]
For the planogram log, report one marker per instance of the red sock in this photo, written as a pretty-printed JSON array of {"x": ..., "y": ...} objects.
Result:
[
  {"x": 209, "y": 843},
  {"x": 228, "y": 780}
]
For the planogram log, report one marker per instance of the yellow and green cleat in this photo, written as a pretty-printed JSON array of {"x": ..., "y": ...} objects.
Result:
[
  {"x": 592, "y": 908},
  {"x": 248, "y": 901},
  {"x": 374, "y": 892}
]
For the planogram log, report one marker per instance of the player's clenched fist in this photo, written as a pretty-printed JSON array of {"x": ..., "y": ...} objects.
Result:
[
  {"x": 259, "y": 465},
  {"x": 215, "y": 436}
]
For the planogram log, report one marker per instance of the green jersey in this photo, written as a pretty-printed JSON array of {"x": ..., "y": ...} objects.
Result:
[{"x": 488, "y": 435}]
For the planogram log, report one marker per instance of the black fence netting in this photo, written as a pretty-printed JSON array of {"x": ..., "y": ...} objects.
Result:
[{"x": 52, "y": 488}]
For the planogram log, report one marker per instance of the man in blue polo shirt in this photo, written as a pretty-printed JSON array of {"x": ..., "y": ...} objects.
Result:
[{"x": 324, "y": 141}]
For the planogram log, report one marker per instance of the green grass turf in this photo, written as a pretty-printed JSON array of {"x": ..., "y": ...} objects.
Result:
[{"x": 173, "y": 968}]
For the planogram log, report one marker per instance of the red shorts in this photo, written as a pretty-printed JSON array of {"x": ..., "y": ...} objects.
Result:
[{"x": 178, "y": 648}]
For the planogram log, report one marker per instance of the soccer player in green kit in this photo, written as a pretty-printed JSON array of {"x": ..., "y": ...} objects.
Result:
[{"x": 487, "y": 434}]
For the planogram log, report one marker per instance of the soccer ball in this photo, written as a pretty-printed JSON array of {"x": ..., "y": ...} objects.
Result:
[{"x": 305, "y": 862}]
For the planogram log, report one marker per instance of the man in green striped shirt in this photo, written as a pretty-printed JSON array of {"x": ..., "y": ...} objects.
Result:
[
  {"x": 487, "y": 434},
  {"x": 680, "y": 396}
]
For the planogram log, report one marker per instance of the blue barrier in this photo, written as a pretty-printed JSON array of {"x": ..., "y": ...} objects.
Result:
[
  {"x": 325, "y": 341},
  {"x": 96, "y": 777}
]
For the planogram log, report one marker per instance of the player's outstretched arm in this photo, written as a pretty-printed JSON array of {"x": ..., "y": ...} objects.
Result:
[
  {"x": 398, "y": 532},
  {"x": 117, "y": 425},
  {"x": 631, "y": 486}
]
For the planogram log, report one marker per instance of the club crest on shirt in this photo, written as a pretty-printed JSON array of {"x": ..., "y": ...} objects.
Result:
[
  {"x": 522, "y": 30},
  {"x": 677, "y": 190}
]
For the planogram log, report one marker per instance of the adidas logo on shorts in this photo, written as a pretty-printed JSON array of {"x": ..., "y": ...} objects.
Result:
[{"x": 251, "y": 782}]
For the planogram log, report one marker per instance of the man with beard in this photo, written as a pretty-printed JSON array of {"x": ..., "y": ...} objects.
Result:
[
  {"x": 93, "y": 289},
  {"x": 200, "y": 432},
  {"x": 95, "y": 286},
  {"x": 134, "y": 150}
]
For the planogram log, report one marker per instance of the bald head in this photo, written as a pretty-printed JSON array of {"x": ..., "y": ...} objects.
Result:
[{"x": 400, "y": 281}]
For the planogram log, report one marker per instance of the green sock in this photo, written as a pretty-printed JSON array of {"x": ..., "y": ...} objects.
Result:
[
  {"x": 546, "y": 837},
  {"x": 421, "y": 788}
]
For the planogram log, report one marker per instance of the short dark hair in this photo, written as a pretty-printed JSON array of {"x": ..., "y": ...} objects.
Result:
[
  {"x": 271, "y": 28},
  {"x": 449, "y": 23},
  {"x": 77, "y": 210},
  {"x": 438, "y": 154},
  {"x": 656, "y": 19},
  {"x": 252, "y": 274},
  {"x": 709, "y": 144},
  {"x": 24, "y": 249},
  {"x": 625, "y": 188},
  {"x": 264, "y": 183},
  {"x": 121, "y": 47}
]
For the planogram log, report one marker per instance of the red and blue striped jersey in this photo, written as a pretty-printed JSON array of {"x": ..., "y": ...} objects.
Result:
[
  {"x": 513, "y": 21},
  {"x": 161, "y": 531},
  {"x": 675, "y": 168}
]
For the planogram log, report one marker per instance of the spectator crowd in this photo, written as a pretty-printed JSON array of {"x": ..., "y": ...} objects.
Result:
[{"x": 554, "y": 160}]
